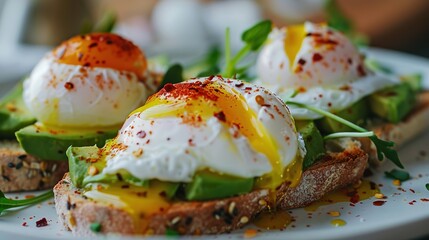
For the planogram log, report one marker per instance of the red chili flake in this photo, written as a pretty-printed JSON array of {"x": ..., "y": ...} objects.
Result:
[
  {"x": 301, "y": 61},
  {"x": 93, "y": 45},
  {"x": 310, "y": 34},
  {"x": 191, "y": 142},
  {"x": 141, "y": 134},
  {"x": 372, "y": 185},
  {"x": 87, "y": 64},
  {"x": 248, "y": 88},
  {"x": 329, "y": 104},
  {"x": 220, "y": 116},
  {"x": 169, "y": 87},
  {"x": 349, "y": 61},
  {"x": 424, "y": 199},
  {"x": 24, "y": 224},
  {"x": 412, "y": 190},
  {"x": 220, "y": 76},
  {"x": 326, "y": 41},
  {"x": 239, "y": 84},
  {"x": 412, "y": 202},
  {"x": 378, "y": 203},
  {"x": 42, "y": 223},
  {"x": 211, "y": 77},
  {"x": 69, "y": 85},
  {"x": 345, "y": 88},
  {"x": 317, "y": 57},
  {"x": 260, "y": 100},
  {"x": 361, "y": 70}
]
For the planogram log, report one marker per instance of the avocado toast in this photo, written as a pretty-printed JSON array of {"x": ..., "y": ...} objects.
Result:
[{"x": 78, "y": 94}]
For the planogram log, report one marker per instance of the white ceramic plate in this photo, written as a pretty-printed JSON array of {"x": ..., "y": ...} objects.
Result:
[{"x": 396, "y": 219}]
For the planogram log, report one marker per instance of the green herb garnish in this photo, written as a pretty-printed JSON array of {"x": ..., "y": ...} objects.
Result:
[
  {"x": 427, "y": 186},
  {"x": 105, "y": 24},
  {"x": 398, "y": 174},
  {"x": 384, "y": 148},
  {"x": 173, "y": 75},
  {"x": 6, "y": 203},
  {"x": 253, "y": 38},
  {"x": 95, "y": 227}
]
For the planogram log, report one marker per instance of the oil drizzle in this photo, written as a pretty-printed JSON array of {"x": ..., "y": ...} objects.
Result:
[
  {"x": 352, "y": 194},
  {"x": 338, "y": 222},
  {"x": 273, "y": 220}
]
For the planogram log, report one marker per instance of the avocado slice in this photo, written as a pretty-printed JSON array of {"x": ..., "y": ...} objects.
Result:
[
  {"x": 414, "y": 80},
  {"x": 356, "y": 113},
  {"x": 208, "y": 185},
  {"x": 14, "y": 115},
  {"x": 51, "y": 143},
  {"x": 393, "y": 103},
  {"x": 313, "y": 141}
]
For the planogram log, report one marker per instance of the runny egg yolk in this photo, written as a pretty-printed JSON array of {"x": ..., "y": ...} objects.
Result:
[
  {"x": 140, "y": 202},
  {"x": 196, "y": 102},
  {"x": 104, "y": 50},
  {"x": 293, "y": 41}
]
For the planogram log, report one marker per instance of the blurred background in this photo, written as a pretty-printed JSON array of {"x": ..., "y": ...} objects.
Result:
[{"x": 187, "y": 29}]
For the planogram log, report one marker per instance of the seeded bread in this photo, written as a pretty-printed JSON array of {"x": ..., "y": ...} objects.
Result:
[
  {"x": 413, "y": 125},
  {"x": 22, "y": 172},
  {"x": 335, "y": 170}
]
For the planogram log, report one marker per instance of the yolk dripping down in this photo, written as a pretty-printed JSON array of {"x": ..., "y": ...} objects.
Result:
[
  {"x": 293, "y": 41},
  {"x": 196, "y": 102},
  {"x": 102, "y": 50},
  {"x": 140, "y": 202}
]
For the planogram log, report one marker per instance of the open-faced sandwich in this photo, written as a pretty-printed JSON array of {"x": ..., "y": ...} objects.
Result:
[
  {"x": 204, "y": 156},
  {"x": 78, "y": 94},
  {"x": 315, "y": 65}
]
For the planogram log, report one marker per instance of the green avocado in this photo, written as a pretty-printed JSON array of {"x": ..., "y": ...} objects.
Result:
[
  {"x": 414, "y": 80},
  {"x": 313, "y": 141},
  {"x": 393, "y": 103},
  {"x": 14, "y": 114},
  {"x": 208, "y": 185},
  {"x": 356, "y": 113},
  {"x": 51, "y": 143}
]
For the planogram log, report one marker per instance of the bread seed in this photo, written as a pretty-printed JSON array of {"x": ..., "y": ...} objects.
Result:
[
  {"x": 175, "y": 220},
  {"x": 231, "y": 208},
  {"x": 35, "y": 165},
  {"x": 244, "y": 219},
  {"x": 262, "y": 202},
  {"x": 54, "y": 167}
]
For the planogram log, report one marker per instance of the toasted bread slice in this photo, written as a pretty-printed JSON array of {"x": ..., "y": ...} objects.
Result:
[
  {"x": 413, "y": 125},
  {"x": 335, "y": 170},
  {"x": 23, "y": 172}
]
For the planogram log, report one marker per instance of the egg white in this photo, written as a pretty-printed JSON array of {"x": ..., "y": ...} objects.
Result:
[
  {"x": 332, "y": 84},
  {"x": 166, "y": 153},
  {"x": 67, "y": 95}
]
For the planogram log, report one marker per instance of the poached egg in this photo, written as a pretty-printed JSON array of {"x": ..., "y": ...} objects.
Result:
[
  {"x": 92, "y": 80},
  {"x": 316, "y": 65},
  {"x": 222, "y": 125}
]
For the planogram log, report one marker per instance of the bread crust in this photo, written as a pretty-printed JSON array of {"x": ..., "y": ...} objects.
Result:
[
  {"x": 335, "y": 170},
  {"x": 22, "y": 172}
]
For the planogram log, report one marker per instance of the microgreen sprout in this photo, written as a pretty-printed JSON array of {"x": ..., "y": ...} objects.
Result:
[
  {"x": 384, "y": 148},
  {"x": 6, "y": 203}
]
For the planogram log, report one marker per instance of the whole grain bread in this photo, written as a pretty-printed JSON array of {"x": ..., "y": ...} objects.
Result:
[
  {"x": 22, "y": 172},
  {"x": 335, "y": 170}
]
